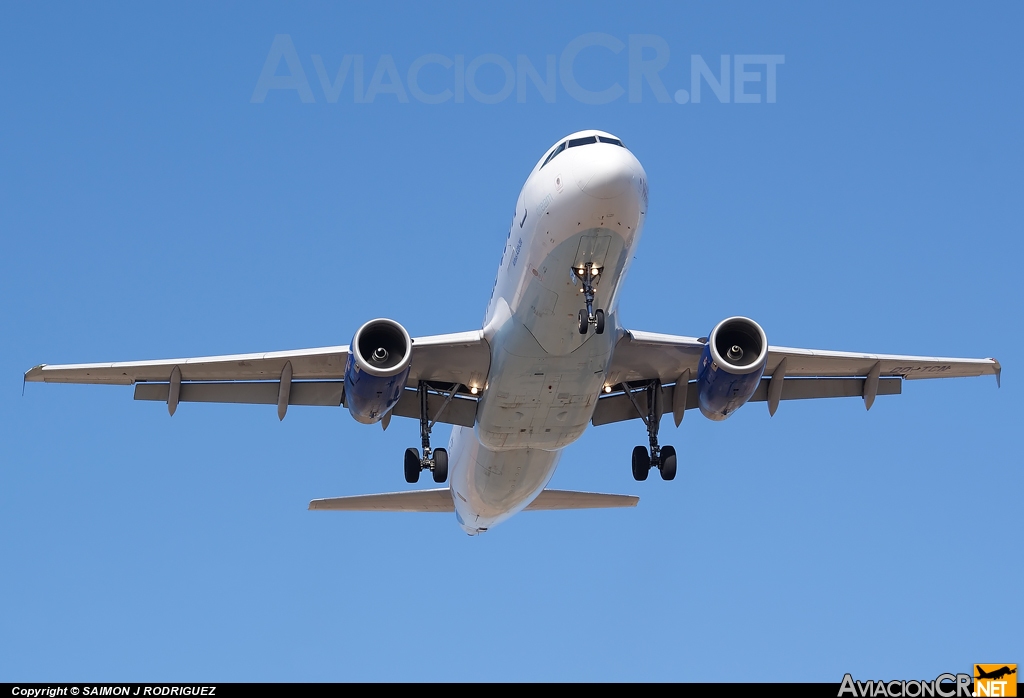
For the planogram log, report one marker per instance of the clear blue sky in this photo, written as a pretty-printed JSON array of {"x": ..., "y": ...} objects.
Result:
[{"x": 150, "y": 208}]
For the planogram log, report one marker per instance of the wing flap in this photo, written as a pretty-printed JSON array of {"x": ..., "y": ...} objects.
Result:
[
  {"x": 322, "y": 393},
  {"x": 460, "y": 410},
  {"x": 617, "y": 407}
]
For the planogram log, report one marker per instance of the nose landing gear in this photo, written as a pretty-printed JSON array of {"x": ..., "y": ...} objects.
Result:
[
  {"x": 588, "y": 274},
  {"x": 661, "y": 457},
  {"x": 434, "y": 460},
  {"x": 597, "y": 320}
]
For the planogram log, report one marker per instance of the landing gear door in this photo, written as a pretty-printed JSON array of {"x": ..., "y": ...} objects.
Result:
[{"x": 593, "y": 250}]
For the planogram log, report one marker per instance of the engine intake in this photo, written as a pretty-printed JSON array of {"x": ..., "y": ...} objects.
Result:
[
  {"x": 377, "y": 369},
  {"x": 730, "y": 366}
]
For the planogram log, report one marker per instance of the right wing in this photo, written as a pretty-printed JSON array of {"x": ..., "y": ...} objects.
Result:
[
  {"x": 326, "y": 363},
  {"x": 451, "y": 358},
  {"x": 316, "y": 375}
]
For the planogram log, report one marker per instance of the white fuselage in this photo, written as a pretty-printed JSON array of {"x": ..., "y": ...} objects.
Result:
[{"x": 587, "y": 205}]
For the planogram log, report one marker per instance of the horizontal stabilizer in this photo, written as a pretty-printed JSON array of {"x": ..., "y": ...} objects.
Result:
[
  {"x": 551, "y": 500},
  {"x": 413, "y": 500},
  {"x": 441, "y": 500}
]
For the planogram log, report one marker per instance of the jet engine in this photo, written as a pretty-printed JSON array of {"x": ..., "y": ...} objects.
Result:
[
  {"x": 377, "y": 369},
  {"x": 730, "y": 366}
]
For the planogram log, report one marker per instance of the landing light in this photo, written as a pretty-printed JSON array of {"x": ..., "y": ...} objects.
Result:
[
  {"x": 473, "y": 390},
  {"x": 607, "y": 388}
]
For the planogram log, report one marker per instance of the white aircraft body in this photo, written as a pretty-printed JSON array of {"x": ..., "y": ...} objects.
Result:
[{"x": 551, "y": 358}]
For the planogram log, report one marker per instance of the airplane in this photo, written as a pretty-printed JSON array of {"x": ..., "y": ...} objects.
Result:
[
  {"x": 996, "y": 674},
  {"x": 550, "y": 359}
]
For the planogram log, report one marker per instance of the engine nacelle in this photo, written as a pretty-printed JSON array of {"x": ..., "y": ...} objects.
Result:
[
  {"x": 730, "y": 366},
  {"x": 377, "y": 369}
]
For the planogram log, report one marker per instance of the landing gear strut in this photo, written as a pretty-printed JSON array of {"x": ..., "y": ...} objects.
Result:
[
  {"x": 661, "y": 457},
  {"x": 434, "y": 460},
  {"x": 588, "y": 276}
]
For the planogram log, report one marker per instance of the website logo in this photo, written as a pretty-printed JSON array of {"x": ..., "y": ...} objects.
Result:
[
  {"x": 995, "y": 680},
  {"x": 593, "y": 68},
  {"x": 989, "y": 681}
]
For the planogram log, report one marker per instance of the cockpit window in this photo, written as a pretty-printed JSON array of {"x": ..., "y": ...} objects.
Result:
[
  {"x": 586, "y": 140},
  {"x": 556, "y": 151}
]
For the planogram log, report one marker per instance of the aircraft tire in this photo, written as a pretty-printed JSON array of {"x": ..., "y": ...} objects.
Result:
[
  {"x": 641, "y": 463},
  {"x": 440, "y": 471},
  {"x": 584, "y": 322},
  {"x": 599, "y": 315},
  {"x": 668, "y": 463},
  {"x": 412, "y": 465}
]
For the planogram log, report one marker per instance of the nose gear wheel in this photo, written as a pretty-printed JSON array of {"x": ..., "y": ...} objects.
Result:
[{"x": 588, "y": 277}]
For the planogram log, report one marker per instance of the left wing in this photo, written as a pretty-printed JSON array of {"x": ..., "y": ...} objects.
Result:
[
  {"x": 299, "y": 377},
  {"x": 805, "y": 373}
]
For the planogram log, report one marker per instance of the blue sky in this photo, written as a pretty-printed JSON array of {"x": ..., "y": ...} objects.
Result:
[{"x": 150, "y": 208}]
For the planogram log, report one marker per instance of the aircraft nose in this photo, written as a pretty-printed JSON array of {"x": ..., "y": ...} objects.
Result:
[{"x": 602, "y": 170}]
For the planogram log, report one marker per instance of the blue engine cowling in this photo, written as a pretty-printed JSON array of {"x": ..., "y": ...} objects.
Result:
[
  {"x": 730, "y": 366},
  {"x": 377, "y": 369}
]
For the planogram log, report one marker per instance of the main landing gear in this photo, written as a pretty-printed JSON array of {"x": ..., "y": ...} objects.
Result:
[
  {"x": 588, "y": 274},
  {"x": 436, "y": 460},
  {"x": 661, "y": 457}
]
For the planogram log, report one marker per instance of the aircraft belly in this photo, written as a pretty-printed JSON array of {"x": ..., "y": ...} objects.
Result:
[
  {"x": 536, "y": 400},
  {"x": 490, "y": 486}
]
